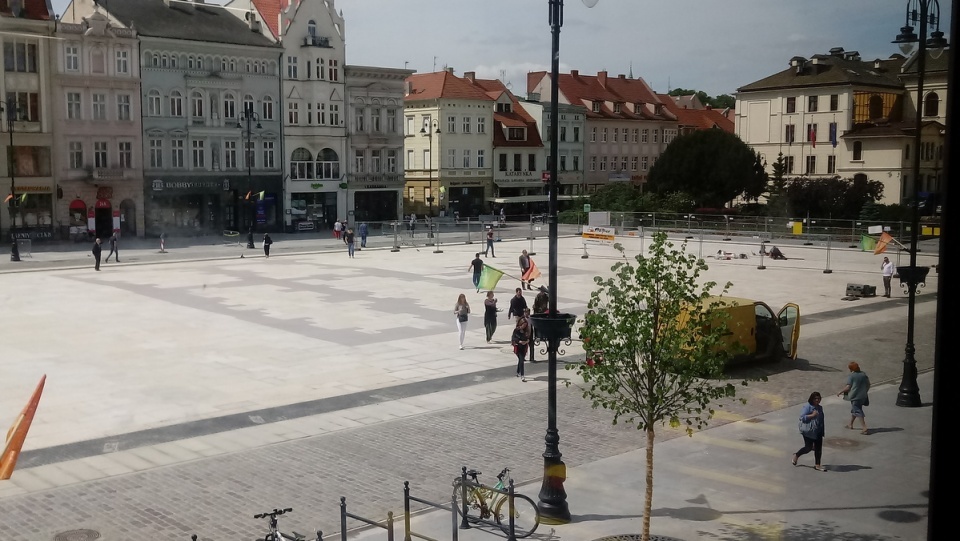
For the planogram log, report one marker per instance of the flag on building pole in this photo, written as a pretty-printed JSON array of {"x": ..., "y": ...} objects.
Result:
[
  {"x": 885, "y": 239},
  {"x": 18, "y": 433},
  {"x": 489, "y": 277},
  {"x": 532, "y": 273},
  {"x": 813, "y": 137},
  {"x": 262, "y": 194},
  {"x": 833, "y": 134}
]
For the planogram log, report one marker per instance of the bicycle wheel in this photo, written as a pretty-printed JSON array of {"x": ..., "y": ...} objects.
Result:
[
  {"x": 473, "y": 502},
  {"x": 526, "y": 516}
]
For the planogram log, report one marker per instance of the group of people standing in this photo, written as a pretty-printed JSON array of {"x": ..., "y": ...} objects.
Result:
[{"x": 812, "y": 424}]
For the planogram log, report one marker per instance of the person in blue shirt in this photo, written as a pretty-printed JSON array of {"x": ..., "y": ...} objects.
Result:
[
  {"x": 363, "y": 234},
  {"x": 812, "y": 417}
]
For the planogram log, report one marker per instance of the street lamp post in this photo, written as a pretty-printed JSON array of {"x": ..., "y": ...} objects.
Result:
[
  {"x": 249, "y": 116},
  {"x": 924, "y": 14},
  {"x": 552, "y": 326},
  {"x": 12, "y": 112},
  {"x": 428, "y": 131}
]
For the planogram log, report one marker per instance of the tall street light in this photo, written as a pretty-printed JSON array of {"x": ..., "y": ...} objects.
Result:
[
  {"x": 12, "y": 112},
  {"x": 923, "y": 14},
  {"x": 249, "y": 116},
  {"x": 428, "y": 130},
  {"x": 552, "y": 326}
]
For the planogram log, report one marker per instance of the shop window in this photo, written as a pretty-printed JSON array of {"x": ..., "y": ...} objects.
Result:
[{"x": 328, "y": 164}]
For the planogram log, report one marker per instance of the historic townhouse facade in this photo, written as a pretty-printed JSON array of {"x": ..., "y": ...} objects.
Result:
[
  {"x": 375, "y": 178},
  {"x": 211, "y": 118},
  {"x": 570, "y": 147},
  {"x": 29, "y": 191},
  {"x": 518, "y": 154},
  {"x": 627, "y": 125},
  {"x": 837, "y": 114},
  {"x": 314, "y": 107},
  {"x": 448, "y": 145},
  {"x": 97, "y": 156}
]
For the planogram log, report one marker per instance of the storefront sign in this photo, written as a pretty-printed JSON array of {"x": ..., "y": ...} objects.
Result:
[
  {"x": 33, "y": 234},
  {"x": 160, "y": 185},
  {"x": 564, "y": 177},
  {"x": 618, "y": 177},
  {"x": 472, "y": 183},
  {"x": 306, "y": 226},
  {"x": 33, "y": 189},
  {"x": 521, "y": 174},
  {"x": 374, "y": 187},
  {"x": 316, "y": 185},
  {"x": 104, "y": 192},
  {"x": 102, "y": 204}
]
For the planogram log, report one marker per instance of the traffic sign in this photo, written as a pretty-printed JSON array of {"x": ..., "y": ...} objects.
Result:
[
  {"x": 598, "y": 235},
  {"x": 586, "y": 207}
]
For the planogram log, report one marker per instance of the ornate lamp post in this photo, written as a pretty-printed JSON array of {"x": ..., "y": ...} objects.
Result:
[
  {"x": 428, "y": 131},
  {"x": 249, "y": 116},
  {"x": 12, "y": 112},
  {"x": 924, "y": 14},
  {"x": 554, "y": 327}
]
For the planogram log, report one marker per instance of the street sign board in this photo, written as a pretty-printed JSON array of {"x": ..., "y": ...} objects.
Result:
[
  {"x": 586, "y": 207},
  {"x": 598, "y": 235}
]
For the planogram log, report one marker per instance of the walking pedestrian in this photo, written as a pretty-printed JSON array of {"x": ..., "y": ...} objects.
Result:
[
  {"x": 490, "y": 315},
  {"x": 413, "y": 223},
  {"x": 489, "y": 242},
  {"x": 524, "y": 267},
  {"x": 812, "y": 429},
  {"x": 462, "y": 311},
  {"x": 267, "y": 241},
  {"x": 363, "y": 234},
  {"x": 858, "y": 384},
  {"x": 477, "y": 266},
  {"x": 97, "y": 249},
  {"x": 520, "y": 340},
  {"x": 517, "y": 305},
  {"x": 887, "y": 269},
  {"x": 113, "y": 248},
  {"x": 530, "y": 333},
  {"x": 348, "y": 238},
  {"x": 337, "y": 228}
]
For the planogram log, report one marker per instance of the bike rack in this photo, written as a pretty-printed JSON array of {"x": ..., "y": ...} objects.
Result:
[
  {"x": 509, "y": 492},
  {"x": 344, "y": 514},
  {"x": 409, "y": 534}
]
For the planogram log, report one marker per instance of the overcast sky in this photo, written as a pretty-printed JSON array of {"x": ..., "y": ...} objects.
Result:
[{"x": 709, "y": 45}]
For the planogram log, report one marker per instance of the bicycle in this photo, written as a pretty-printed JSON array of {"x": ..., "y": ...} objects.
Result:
[
  {"x": 275, "y": 534},
  {"x": 494, "y": 501}
]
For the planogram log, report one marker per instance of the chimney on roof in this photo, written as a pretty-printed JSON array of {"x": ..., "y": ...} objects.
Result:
[
  {"x": 448, "y": 70},
  {"x": 836, "y": 51},
  {"x": 407, "y": 87},
  {"x": 621, "y": 76},
  {"x": 252, "y": 20},
  {"x": 852, "y": 55},
  {"x": 470, "y": 76},
  {"x": 877, "y": 64},
  {"x": 708, "y": 107},
  {"x": 602, "y": 78},
  {"x": 533, "y": 96},
  {"x": 575, "y": 74}
]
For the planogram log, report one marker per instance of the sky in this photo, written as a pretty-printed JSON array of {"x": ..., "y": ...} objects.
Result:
[{"x": 705, "y": 45}]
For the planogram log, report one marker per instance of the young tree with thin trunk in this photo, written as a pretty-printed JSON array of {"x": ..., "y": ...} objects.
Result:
[{"x": 663, "y": 344}]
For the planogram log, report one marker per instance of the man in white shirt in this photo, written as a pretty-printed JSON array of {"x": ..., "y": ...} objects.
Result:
[{"x": 888, "y": 270}]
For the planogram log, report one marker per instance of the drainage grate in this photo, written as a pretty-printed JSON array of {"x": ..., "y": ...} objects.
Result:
[
  {"x": 77, "y": 535},
  {"x": 635, "y": 537}
]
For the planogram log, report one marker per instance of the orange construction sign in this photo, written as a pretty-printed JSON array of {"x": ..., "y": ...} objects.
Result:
[{"x": 18, "y": 433}]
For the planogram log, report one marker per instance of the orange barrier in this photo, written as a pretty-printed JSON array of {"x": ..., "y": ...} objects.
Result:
[{"x": 18, "y": 433}]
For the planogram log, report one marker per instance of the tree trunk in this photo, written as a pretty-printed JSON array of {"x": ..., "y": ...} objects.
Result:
[{"x": 648, "y": 494}]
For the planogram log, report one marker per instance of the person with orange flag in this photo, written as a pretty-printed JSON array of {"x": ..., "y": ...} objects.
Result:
[
  {"x": 529, "y": 273},
  {"x": 18, "y": 433}
]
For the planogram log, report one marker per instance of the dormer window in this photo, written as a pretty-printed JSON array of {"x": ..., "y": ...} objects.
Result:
[
  {"x": 504, "y": 107},
  {"x": 596, "y": 106},
  {"x": 659, "y": 109},
  {"x": 616, "y": 108},
  {"x": 516, "y": 134},
  {"x": 637, "y": 107}
]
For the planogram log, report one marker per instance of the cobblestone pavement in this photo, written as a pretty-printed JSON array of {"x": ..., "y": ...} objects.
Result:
[{"x": 217, "y": 497}]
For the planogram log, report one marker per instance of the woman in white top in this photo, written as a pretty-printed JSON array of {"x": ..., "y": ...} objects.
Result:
[{"x": 462, "y": 310}]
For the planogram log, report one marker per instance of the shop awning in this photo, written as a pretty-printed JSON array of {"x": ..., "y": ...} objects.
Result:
[{"x": 529, "y": 199}]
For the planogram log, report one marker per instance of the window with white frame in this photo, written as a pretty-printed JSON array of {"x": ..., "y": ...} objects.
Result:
[
  {"x": 481, "y": 158},
  {"x": 268, "y": 155},
  {"x": 409, "y": 164},
  {"x": 360, "y": 114},
  {"x": 72, "y": 58},
  {"x": 230, "y": 154},
  {"x": 375, "y": 161},
  {"x": 603, "y": 163},
  {"x": 156, "y": 153},
  {"x": 176, "y": 104},
  {"x": 321, "y": 69},
  {"x": 644, "y": 163},
  {"x": 563, "y": 133},
  {"x": 391, "y": 120},
  {"x": 623, "y": 163},
  {"x": 293, "y": 113},
  {"x": 644, "y": 134},
  {"x": 19, "y": 55},
  {"x": 391, "y": 161},
  {"x": 301, "y": 164},
  {"x": 75, "y": 152},
  {"x": 334, "y": 71},
  {"x": 123, "y": 62},
  {"x": 123, "y": 107},
  {"x": 616, "y": 134},
  {"x": 198, "y": 153},
  {"x": 375, "y": 125},
  {"x": 563, "y": 162},
  {"x": 427, "y": 164},
  {"x": 603, "y": 136},
  {"x": 358, "y": 165},
  {"x": 328, "y": 164},
  {"x": 125, "y": 154},
  {"x": 248, "y": 104},
  {"x": 334, "y": 114},
  {"x": 633, "y": 163},
  {"x": 466, "y": 124},
  {"x": 656, "y": 135},
  {"x": 100, "y": 154},
  {"x": 322, "y": 114},
  {"x": 229, "y": 106},
  {"x": 451, "y": 124},
  {"x": 593, "y": 163},
  {"x": 99, "y": 106},
  {"x": 451, "y": 158},
  {"x": 466, "y": 158},
  {"x": 74, "y": 106},
  {"x": 576, "y": 163},
  {"x": 635, "y": 136},
  {"x": 593, "y": 135},
  {"x": 410, "y": 121},
  {"x": 267, "y": 108},
  {"x": 481, "y": 125},
  {"x": 196, "y": 105}
]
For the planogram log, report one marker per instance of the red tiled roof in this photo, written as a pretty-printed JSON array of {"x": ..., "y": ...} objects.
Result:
[
  {"x": 700, "y": 119},
  {"x": 580, "y": 89},
  {"x": 443, "y": 84},
  {"x": 516, "y": 118},
  {"x": 32, "y": 9},
  {"x": 270, "y": 12}
]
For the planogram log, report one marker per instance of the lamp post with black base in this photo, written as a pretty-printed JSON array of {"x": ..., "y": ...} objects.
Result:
[
  {"x": 924, "y": 14},
  {"x": 249, "y": 116},
  {"x": 12, "y": 113}
]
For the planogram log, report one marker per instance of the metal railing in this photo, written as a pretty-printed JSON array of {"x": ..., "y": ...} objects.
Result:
[
  {"x": 408, "y": 533},
  {"x": 344, "y": 515}
]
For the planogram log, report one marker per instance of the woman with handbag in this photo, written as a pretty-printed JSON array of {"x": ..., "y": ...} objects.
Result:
[
  {"x": 462, "y": 311},
  {"x": 812, "y": 430}
]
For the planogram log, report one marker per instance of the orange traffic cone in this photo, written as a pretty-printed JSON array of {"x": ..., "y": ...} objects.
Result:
[{"x": 18, "y": 433}]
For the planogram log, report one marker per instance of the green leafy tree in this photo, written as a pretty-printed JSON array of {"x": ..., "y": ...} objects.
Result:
[
  {"x": 724, "y": 101},
  {"x": 663, "y": 346},
  {"x": 777, "y": 201},
  {"x": 711, "y": 165},
  {"x": 832, "y": 197},
  {"x": 617, "y": 197}
]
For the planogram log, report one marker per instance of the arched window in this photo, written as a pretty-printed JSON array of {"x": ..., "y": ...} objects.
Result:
[
  {"x": 248, "y": 103},
  {"x": 328, "y": 164},
  {"x": 164, "y": 61},
  {"x": 301, "y": 164},
  {"x": 156, "y": 60},
  {"x": 176, "y": 103},
  {"x": 191, "y": 62},
  {"x": 267, "y": 112},
  {"x": 931, "y": 105},
  {"x": 229, "y": 106},
  {"x": 857, "y": 151},
  {"x": 153, "y": 103},
  {"x": 196, "y": 105},
  {"x": 233, "y": 65},
  {"x": 876, "y": 107},
  {"x": 312, "y": 29},
  {"x": 174, "y": 61}
]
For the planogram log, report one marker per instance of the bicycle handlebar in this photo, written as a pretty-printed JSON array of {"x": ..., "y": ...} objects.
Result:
[{"x": 274, "y": 513}]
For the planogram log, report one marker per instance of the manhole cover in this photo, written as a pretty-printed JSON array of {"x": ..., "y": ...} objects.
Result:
[
  {"x": 636, "y": 537},
  {"x": 77, "y": 535}
]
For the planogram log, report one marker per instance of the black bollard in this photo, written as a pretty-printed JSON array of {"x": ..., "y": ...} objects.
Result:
[{"x": 14, "y": 251}]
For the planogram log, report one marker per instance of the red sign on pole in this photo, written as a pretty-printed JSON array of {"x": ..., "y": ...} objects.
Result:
[{"x": 545, "y": 176}]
